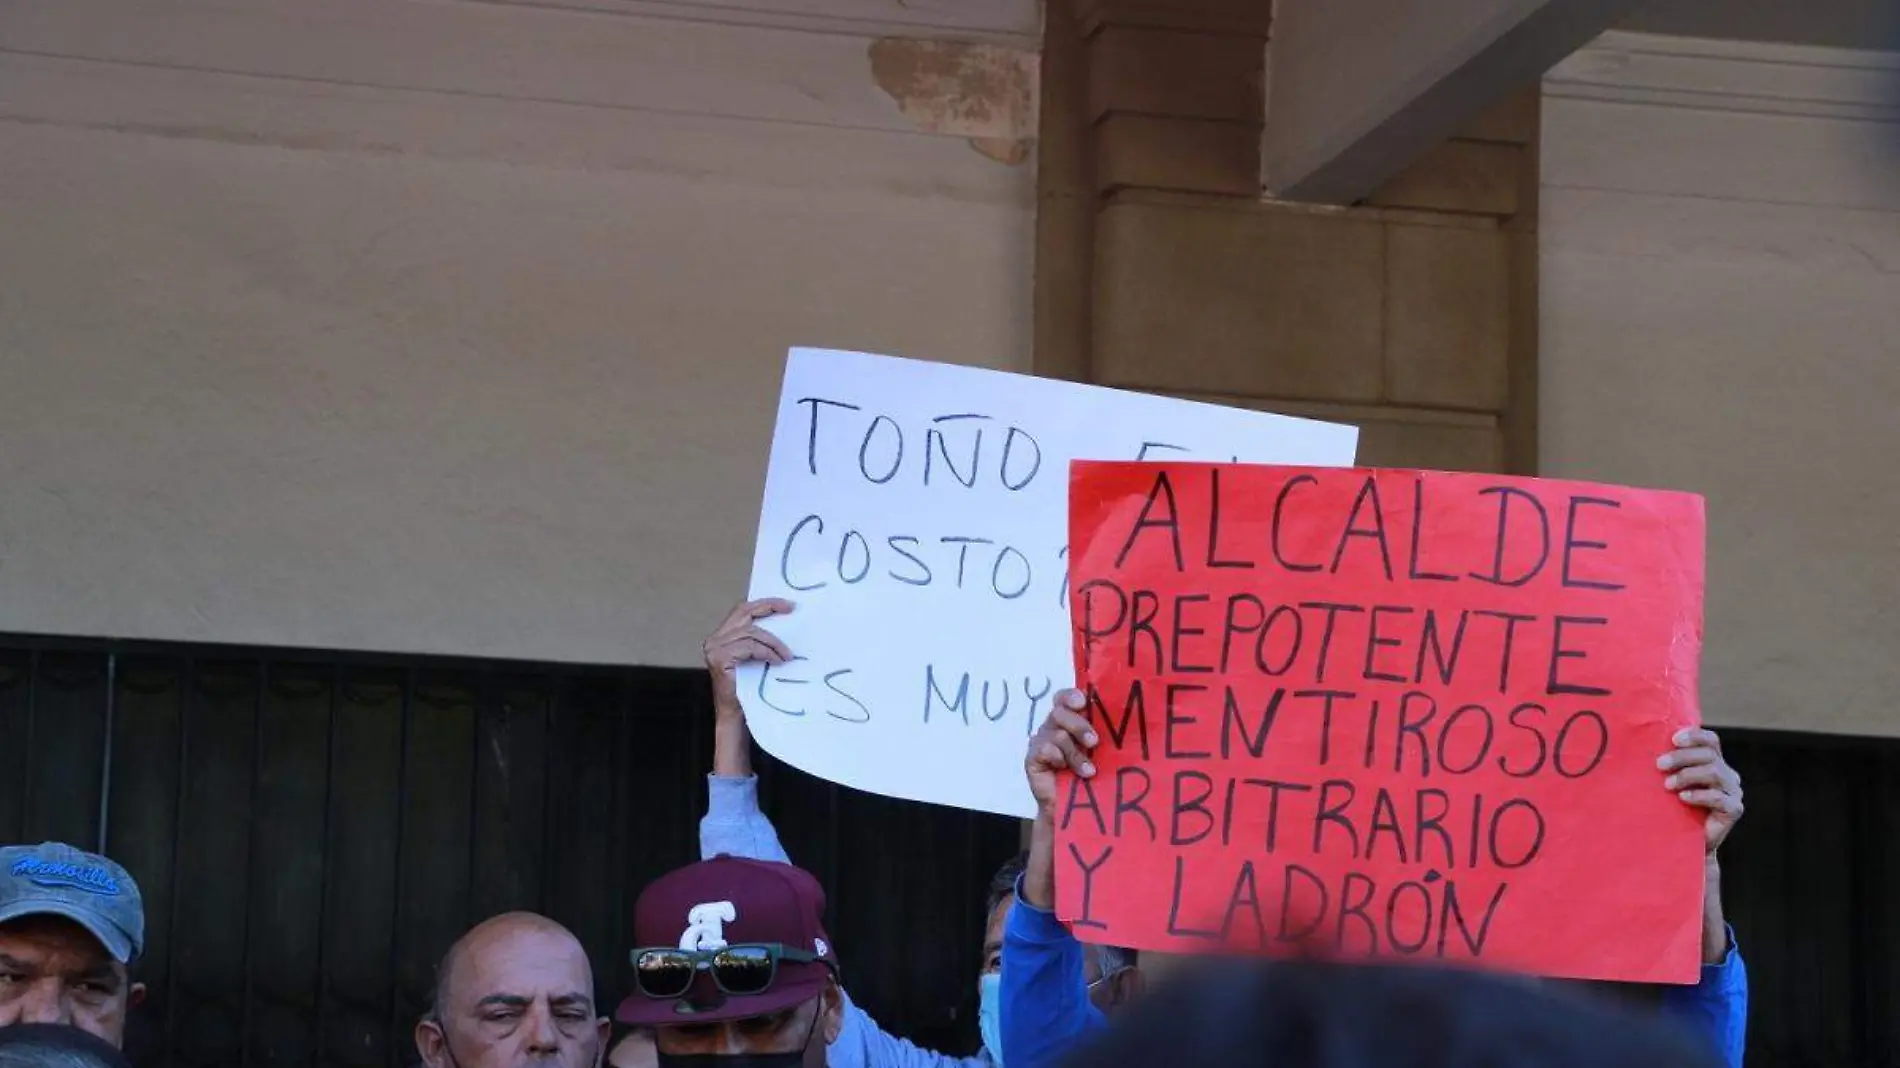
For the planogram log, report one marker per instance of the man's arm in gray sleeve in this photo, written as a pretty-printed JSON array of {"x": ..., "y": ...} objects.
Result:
[
  {"x": 863, "y": 1044},
  {"x": 734, "y": 825}
]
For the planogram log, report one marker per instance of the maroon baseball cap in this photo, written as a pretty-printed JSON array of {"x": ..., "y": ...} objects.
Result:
[{"x": 731, "y": 901}]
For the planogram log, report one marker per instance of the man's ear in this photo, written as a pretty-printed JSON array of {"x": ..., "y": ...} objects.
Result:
[
  {"x": 1132, "y": 984},
  {"x": 832, "y": 1024},
  {"x": 606, "y": 1027},
  {"x": 135, "y": 996},
  {"x": 432, "y": 1044}
]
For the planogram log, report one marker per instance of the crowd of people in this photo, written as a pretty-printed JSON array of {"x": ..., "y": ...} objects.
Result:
[{"x": 733, "y": 967}]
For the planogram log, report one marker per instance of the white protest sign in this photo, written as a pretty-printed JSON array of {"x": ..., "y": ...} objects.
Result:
[{"x": 917, "y": 515}]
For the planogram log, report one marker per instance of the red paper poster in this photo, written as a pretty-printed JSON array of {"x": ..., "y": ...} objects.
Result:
[{"x": 1389, "y": 713}]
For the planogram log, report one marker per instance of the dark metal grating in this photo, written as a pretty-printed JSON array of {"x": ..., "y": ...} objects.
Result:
[{"x": 311, "y": 830}]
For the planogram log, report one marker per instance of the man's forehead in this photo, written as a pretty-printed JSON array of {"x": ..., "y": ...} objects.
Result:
[
  {"x": 522, "y": 964},
  {"x": 41, "y": 935},
  {"x": 48, "y": 932}
]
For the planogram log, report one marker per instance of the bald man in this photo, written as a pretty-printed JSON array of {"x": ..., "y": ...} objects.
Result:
[{"x": 514, "y": 991}]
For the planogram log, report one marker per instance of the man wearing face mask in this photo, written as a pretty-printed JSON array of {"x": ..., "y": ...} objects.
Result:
[
  {"x": 733, "y": 969},
  {"x": 735, "y": 826},
  {"x": 1109, "y": 973}
]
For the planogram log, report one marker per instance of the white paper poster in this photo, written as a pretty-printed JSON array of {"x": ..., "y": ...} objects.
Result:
[{"x": 916, "y": 513}]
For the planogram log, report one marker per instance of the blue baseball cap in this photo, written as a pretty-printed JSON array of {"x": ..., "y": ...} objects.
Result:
[{"x": 55, "y": 879}]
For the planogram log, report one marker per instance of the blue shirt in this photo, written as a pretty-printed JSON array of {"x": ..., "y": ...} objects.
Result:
[
  {"x": 1047, "y": 1013},
  {"x": 735, "y": 826}
]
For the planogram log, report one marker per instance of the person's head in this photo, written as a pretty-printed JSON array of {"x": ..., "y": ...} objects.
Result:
[
  {"x": 732, "y": 967},
  {"x": 1306, "y": 1014},
  {"x": 56, "y": 1046},
  {"x": 1113, "y": 976},
  {"x": 1002, "y": 896},
  {"x": 515, "y": 990},
  {"x": 1109, "y": 971},
  {"x": 71, "y": 925}
]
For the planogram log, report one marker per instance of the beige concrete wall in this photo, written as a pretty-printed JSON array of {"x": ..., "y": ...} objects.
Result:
[
  {"x": 455, "y": 327},
  {"x": 1160, "y": 266},
  {"x": 1721, "y": 299}
]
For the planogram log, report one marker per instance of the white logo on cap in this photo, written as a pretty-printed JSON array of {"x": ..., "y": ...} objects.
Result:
[
  {"x": 819, "y": 945},
  {"x": 705, "y": 926}
]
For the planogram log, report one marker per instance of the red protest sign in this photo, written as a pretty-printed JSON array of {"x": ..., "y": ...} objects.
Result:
[{"x": 1391, "y": 713}]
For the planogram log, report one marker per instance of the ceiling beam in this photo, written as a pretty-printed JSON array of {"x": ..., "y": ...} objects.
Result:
[{"x": 1358, "y": 89}]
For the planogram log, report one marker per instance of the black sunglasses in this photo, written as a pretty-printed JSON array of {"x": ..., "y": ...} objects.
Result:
[{"x": 664, "y": 974}]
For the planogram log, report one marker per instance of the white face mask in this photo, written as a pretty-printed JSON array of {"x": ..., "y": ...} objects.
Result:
[{"x": 989, "y": 1015}]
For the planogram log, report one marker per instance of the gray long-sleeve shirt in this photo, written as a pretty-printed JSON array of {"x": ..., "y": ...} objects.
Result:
[{"x": 735, "y": 826}]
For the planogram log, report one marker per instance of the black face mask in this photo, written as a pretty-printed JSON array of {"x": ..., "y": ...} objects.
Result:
[{"x": 793, "y": 1059}]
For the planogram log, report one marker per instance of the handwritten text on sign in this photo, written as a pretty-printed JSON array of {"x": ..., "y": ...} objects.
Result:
[
  {"x": 916, "y": 513},
  {"x": 1393, "y": 713}
]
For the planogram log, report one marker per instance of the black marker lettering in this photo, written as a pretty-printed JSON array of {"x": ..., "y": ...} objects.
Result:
[
  {"x": 1213, "y": 526},
  {"x": 1374, "y": 643},
  {"x": 1403, "y": 946},
  {"x": 936, "y": 437},
  {"x": 1133, "y": 709},
  {"x": 1082, "y": 799},
  {"x": 1573, "y": 543},
  {"x": 844, "y": 550},
  {"x": 1333, "y": 813},
  {"x": 864, "y": 450},
  {"x": 1504, "y": 495},
  {"x": 1274, "y": 789},
  {"x": 1087, "y": 919},
  {"x": 1511, "y": 620},
  {"x": 933, "y": 695},
  {"x": 1385, "y": 820},
  {"x": 1445, "y": 763},
  {"x": 1415, "y": 729},
  {"x": 1174, "y": 906},
  {"x": 1162, "y": 488},
  {"x": 893, "y": 541},
  {"x": 1596, "y": 755},
  {"x": 1195, "y": 805},
  {"x": 1232, "y": 626},
  {"x": 1127, "y": 803},
  {"x": 1143, "y": 622},
  {"x": 1418, "y": 527},
  {"x": 1355, "y": 908},
  {"x": 996, "y": 574},
  {"x": 1428, "y": 639},
  {"x": 1326, "y": 637},
  {"x": 1497, "y": 822},
  {"x": 1449, "y": 910},
  {"x": 785, "y": 556},
  {"x": 963, "y": 551},
  {"x": 1245, "y": 893},
  {"x": 1431, "y": 817},
  {"x": 1368, "y": 491},
  {"x": 1182, "y": 632},
  {"x": 1293, "y": 650},
  {"x": 1559, "y": 654},
  {"x": 831, "y": 683},
  {"x": 1327, "y": 697},
  {"x": 1279, "y": 508},
  {"x": 1233, "y": 721},
  {"x": 1172, "y": 720},
  {"x": 1009, "y": 444},
  {"x": 1543, "y": 751},
  {"x": 811, "y": 435}
]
